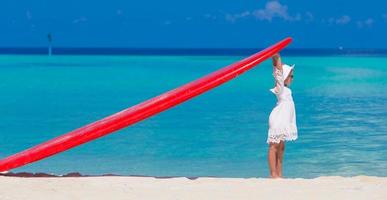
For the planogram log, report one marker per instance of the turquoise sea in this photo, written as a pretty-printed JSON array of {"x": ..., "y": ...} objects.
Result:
[{"x": 341, "y": 104}]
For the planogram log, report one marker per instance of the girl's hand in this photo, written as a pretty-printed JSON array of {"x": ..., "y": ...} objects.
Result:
[{"x": 276, "y": 55}]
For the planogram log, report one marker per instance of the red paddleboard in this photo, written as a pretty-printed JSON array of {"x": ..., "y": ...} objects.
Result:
[{"x": 138, "y": 112}]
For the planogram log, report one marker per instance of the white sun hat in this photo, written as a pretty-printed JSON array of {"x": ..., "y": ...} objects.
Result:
[{"x": 286, "y": 69}]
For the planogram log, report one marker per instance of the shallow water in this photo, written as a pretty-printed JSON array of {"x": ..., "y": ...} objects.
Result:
[{"x": 340, "y": 102}]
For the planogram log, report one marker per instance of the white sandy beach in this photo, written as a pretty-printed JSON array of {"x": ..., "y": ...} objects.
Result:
[{"x": 360, "y": 187}]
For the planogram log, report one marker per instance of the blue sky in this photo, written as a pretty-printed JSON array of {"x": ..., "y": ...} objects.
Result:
[{"x": 194, "y": 24}]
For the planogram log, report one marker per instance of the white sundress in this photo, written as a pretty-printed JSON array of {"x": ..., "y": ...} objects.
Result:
[{"x": 282, "y": 120}]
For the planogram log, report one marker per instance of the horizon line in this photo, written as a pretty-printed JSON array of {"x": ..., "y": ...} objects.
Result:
[
  {"x": 199, "y": 48},
  {"x": 185, "y": 51}
]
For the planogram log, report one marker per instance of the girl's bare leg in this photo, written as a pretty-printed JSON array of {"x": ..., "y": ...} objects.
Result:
[
  {"x": 272, "y": 159},
  {"x": 280, "y": 156}
]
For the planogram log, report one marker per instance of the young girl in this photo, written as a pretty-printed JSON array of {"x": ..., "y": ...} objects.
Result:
[{"x": 282, "y": 120}]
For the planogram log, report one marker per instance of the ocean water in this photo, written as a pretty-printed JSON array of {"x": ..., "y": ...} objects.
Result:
[{"x": 340, "y": 103}]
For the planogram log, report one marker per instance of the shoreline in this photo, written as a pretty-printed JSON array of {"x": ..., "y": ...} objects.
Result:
[
  {"x": 77, "y": 174},
  {"x": 130, "y": 187}
]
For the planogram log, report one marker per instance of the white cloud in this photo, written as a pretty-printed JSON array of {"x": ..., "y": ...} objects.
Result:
[
  {"x": 210, "y": 16},
  {"x": 275, "y": 9},
  {"x": 233, "y": 18},
  {"x": 345, "y": 19},
  {"x": 365, "y": 23},
  {"x": 384, "y": 16},
  {"x": 80, "y": 20},
  {"x": 309, "y": 16}
]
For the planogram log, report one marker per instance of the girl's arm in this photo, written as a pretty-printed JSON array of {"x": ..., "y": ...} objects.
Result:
[
  {"x": 277, "y": 73},
  {"x": 277, "y": 61}
]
